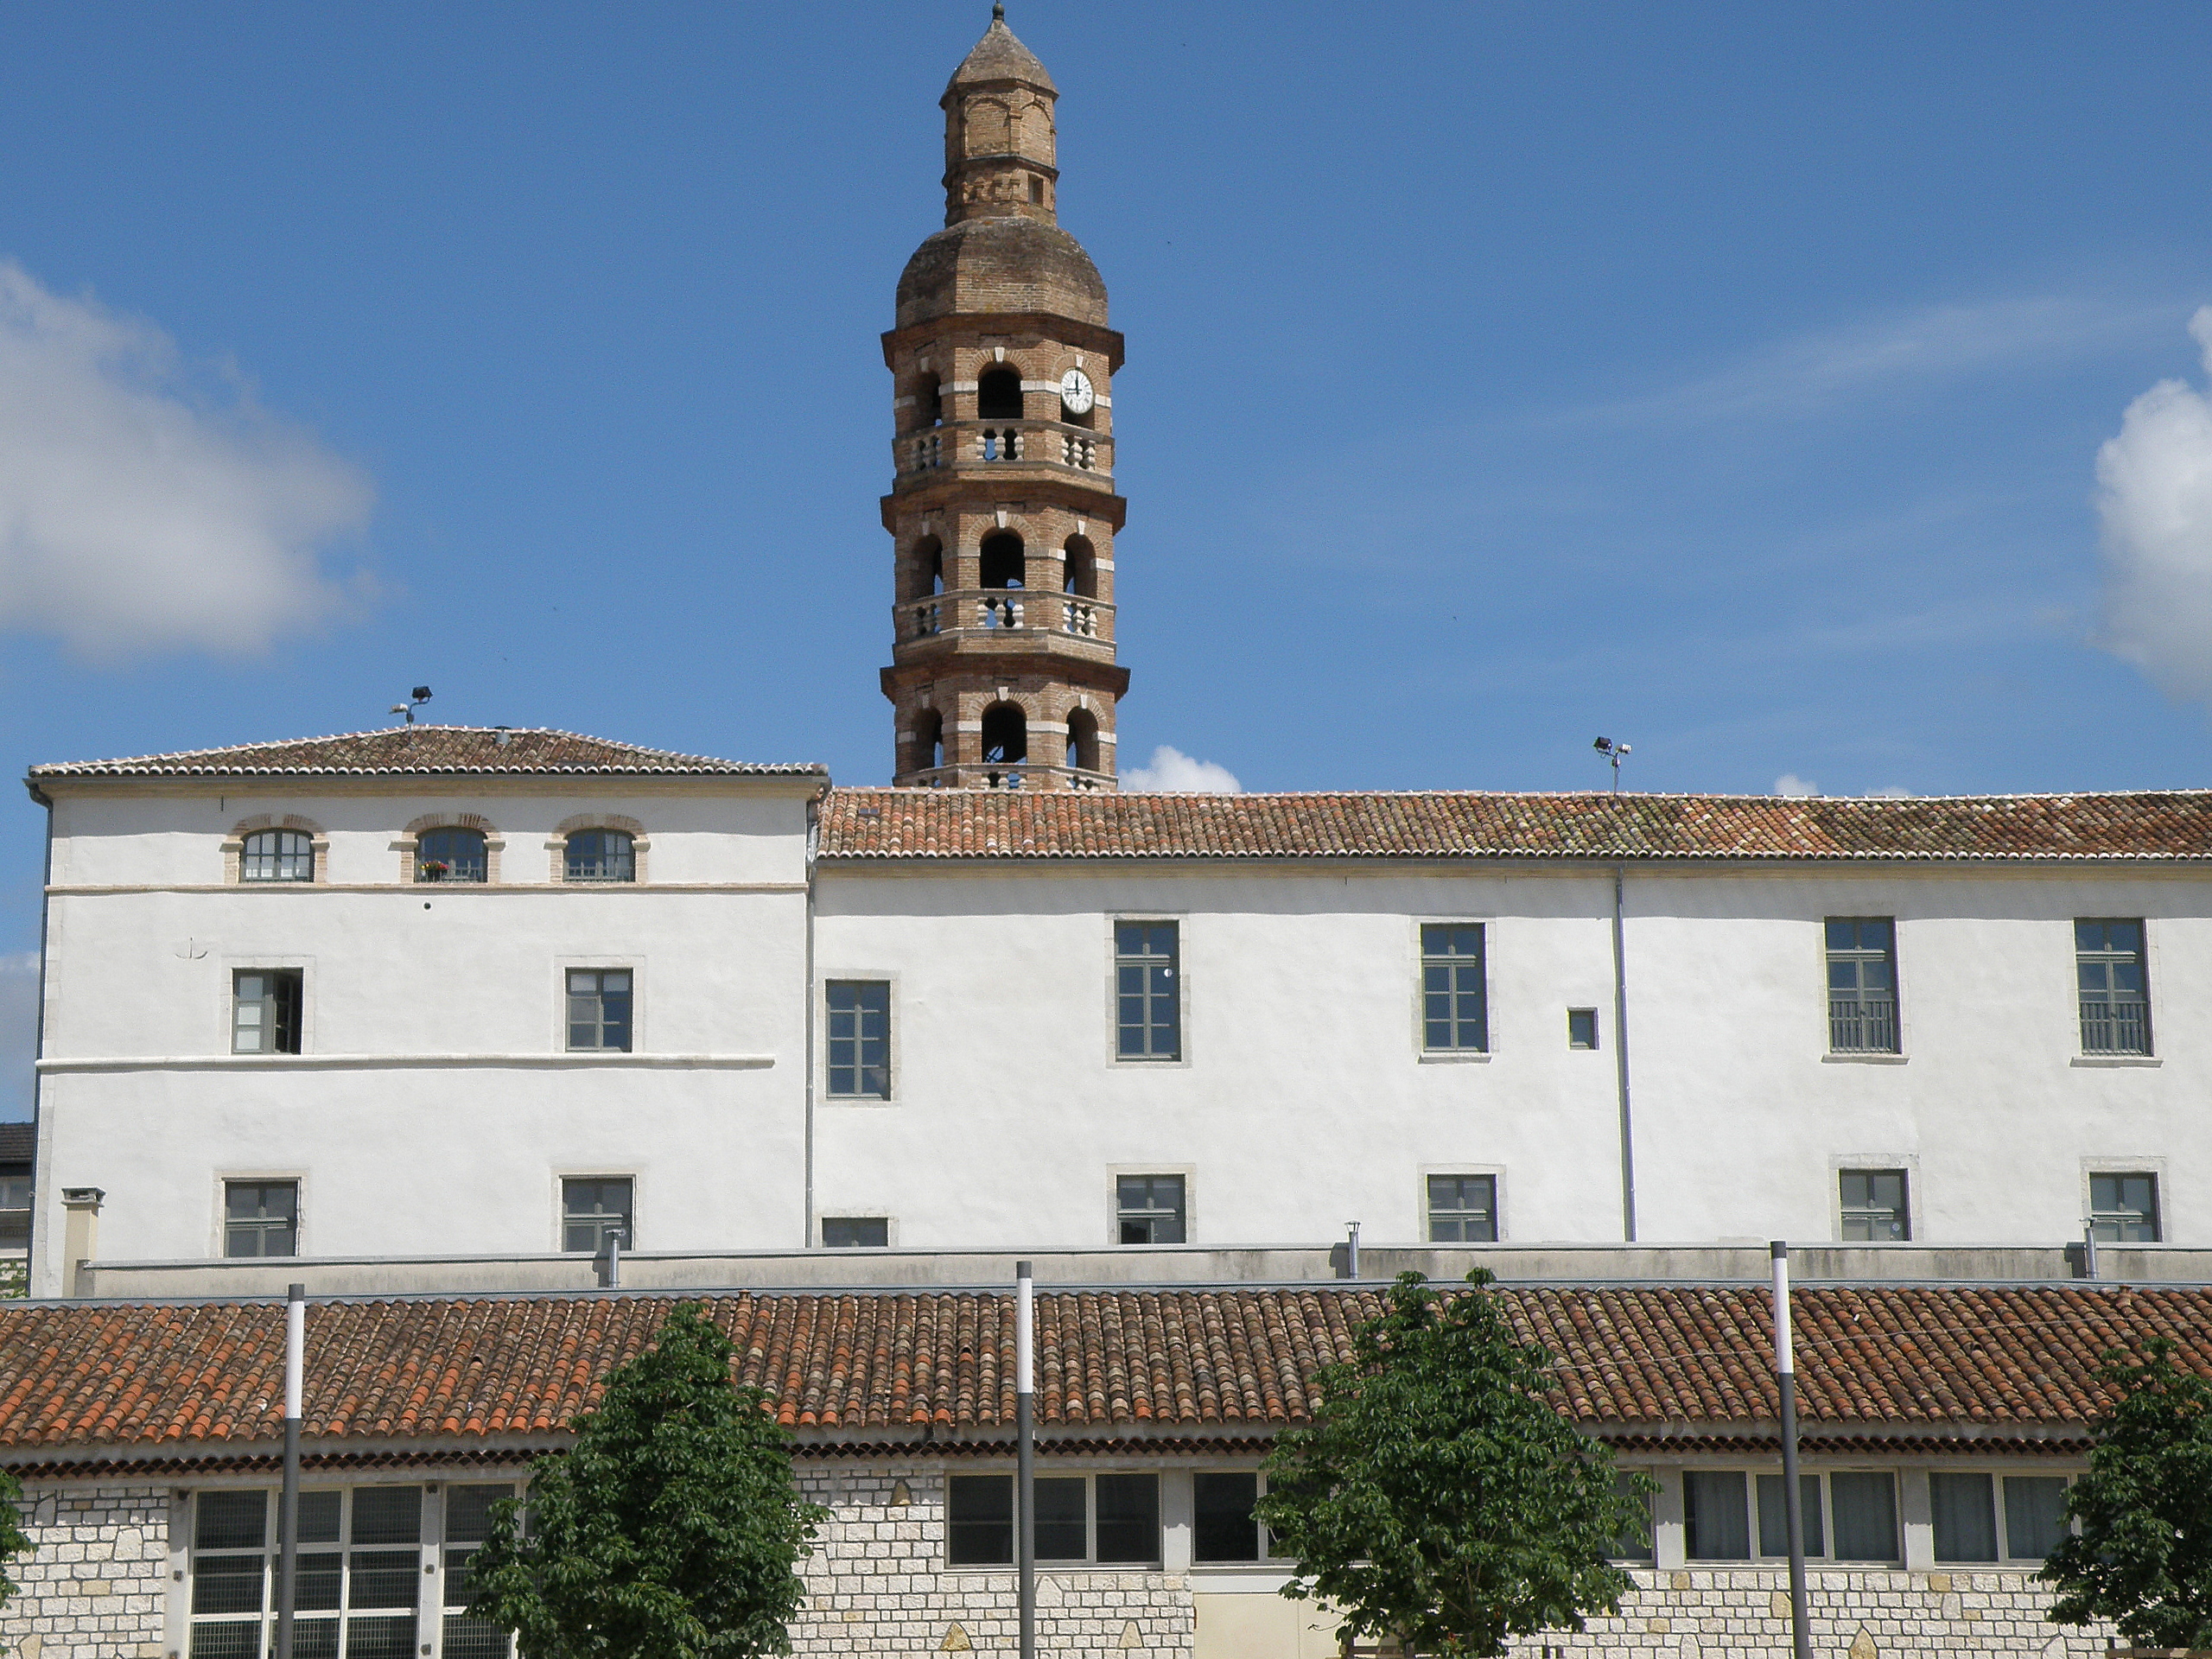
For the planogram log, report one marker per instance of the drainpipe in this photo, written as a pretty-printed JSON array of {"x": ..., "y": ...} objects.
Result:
[
  {"x": 41, "y": 1151},
  {"x": 806, "y": 1061},
  {"x": 1620, "y": 1063}
]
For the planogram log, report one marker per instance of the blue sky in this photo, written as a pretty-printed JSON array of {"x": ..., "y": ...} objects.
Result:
[{"x": 1804, "y": 393}]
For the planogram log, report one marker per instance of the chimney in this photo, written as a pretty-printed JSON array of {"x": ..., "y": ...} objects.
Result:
[{"x": 80, "y": 1236}]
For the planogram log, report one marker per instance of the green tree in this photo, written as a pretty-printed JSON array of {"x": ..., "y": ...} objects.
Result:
[
  {"x": 670, "y": 1531},
  {"x": 1439, "y": 1496},
  {"x": 2142, "y": 1557},
  {"x": 14, "y": 1541}
]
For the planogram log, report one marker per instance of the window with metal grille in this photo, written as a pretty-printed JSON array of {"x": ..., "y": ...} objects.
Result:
[
  {"x": 1862, "y": 985},
  {"x": 261, "y": 1218},
  {"x": 601, "y": 855},
  {"x": 858, "y": 1032},
  {"x": 2115, "y": 997},
  {"x": 468, "y": 1524},
  {"x": 1454, "y": 1004},
  {"x": 1107, "y": 1520},
  {"x": 1150, "y": 1209},
  {"x": 1149, "y": 1009},
  {"x": 277, "y": 855},
  {"x": 1874, "y": 1207},
  {"x": 452, "y": 854},
  {"x": 359, "y": 1590},
  {"x": 598, "y": 1009},
  {"x": 1463, "y": 1209},
  {"x": 265, "y": 1010},
  {"x": 2124, "y": 1208},
  {"x": 856, "y": 1232},
  {"x": 592, "y": 1207}
]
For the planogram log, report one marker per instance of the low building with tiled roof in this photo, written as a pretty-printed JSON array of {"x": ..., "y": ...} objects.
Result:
[{"x": 1941, "y": 1427}]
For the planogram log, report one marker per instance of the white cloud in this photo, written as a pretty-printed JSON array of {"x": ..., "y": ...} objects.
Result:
[
  {"x": 1791, "y": 784},
  {"x": 1889, "y": 792},
  {"x": 1172, "y": 769},
  {"x": 138, "y": 512},
  {"x": 2155, "y": 496}
]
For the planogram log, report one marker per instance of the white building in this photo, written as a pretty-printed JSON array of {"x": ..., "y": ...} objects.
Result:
[{"x": 441, "y": 992}]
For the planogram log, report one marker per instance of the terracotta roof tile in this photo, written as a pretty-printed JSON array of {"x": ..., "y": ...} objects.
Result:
[
  {"x": 859, "y": 824},
  {"x": 186, "y": 1381},
  {"x": 412, "y": 749}
]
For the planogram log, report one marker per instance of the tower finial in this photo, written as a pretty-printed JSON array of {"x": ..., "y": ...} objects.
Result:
[{"x": 998, "y": 11}]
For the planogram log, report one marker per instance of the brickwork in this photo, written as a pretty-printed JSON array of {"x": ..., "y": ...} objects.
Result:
[
  {"x": 878, "y": 1584},
  {"x": 97, "y": 1586}
]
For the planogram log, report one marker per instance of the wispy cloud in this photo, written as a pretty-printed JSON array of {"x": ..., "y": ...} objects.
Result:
[
  {"x": 1171, "y": 771},
  {"x": 140, "y": 512},
  {"x": 2155, "y": 497},
  {"x": 1790, "y": 785},
  {"x": 1813, "y": 373}
]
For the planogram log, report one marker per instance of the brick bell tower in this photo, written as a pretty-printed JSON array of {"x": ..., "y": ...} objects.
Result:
[{"x": 1003, "y": 510}]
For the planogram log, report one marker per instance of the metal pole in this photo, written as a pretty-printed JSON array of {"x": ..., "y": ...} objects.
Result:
[
  {"x": 1025, "y": 1428},
  {"x": 1620, "y": 1050},
  {"x": 288, "y": 1503},
  {"x": 1785, "y": 1371}
]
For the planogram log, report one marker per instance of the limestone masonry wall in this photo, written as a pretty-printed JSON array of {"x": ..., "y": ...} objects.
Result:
[{"x": 97, "y": 1586}]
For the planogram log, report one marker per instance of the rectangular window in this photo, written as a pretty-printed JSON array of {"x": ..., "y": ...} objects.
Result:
[
  {"x": 1635, "y": 1544},
  {"x": 1874, "y": 1208},
  {"x": 261, "y": 1218},
  {"x": 1109, "y": 1520},
  {"x": 1148, "y": 1011},
  {"x": 2035, "y": 1515},
  {"x": 856, "y": 1232},
  {"x": 468, "y": 1522},
  {"x": 1151, "y": 1209},
  {"x": 2124, "y": 1208},
  {"x": 15, "y": 1211},
  {"x": 361, "y": 1573},
  {"x": 599, "y": 1009},
  {"x": 1963, "y": 1508},
  {"x": 1582, "y": 1027},
  {"x": 1454, "y": 1004},
  {"x": 1716, "y": 1515},
  {"x": 1774, "y": 1515},
  {"x": 1224, "y": 1528},
  {"x": 593, "y": 1207},
  {"x": 1862, "y": 985},
  {"x": 859, "y": 1028},
  {"x": 1463, "y": 1209},
  {"x": 1864, "y": 1509},
  {"x": 265, "y": 1011},
  {"x": 2109, "y": 969}
]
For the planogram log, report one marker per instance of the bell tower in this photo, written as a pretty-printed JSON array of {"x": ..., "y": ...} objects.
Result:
[{"x": 1002, "y": 511}]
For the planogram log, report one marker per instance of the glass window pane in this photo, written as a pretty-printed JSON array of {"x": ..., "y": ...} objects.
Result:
[
  {"x": 380, "y": 1638},
  {"x": 382, "y": 1577},
  {"x": 1060, "y": 1519},
  {"x": 1223, "y": 1526},
  {"x": 1128, "y": 1518},
  {"x": 1964, "y": 1509},
  {"x": 388, "y": 1514},
  {"x": 1774, "y": 1515},
  {"x": 232, "y": 1520},
  {"x": 1866, "y": 1515},
  {"x": 227, "y": 1584},
  {"x": 321, "y": 1575},
  {"x": 468, "y": 1511},
  {"x": 319, "y": 1516},
  {"x": 856, "y": 1232},
  {"x": 979, "y": 1520},
  {"x": 227, "y": 1641},
  {"x": 2035, "y": 1515},
  {"x": 1716, "y": 1505},
  {"x": 1635, "y": 1544}
]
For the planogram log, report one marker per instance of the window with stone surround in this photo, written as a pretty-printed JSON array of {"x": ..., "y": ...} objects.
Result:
[
  {"x": 1873, "y": 1206},
  {"x": 1454, "y": 1000},
  {"x": 261, "y": 1218},
  {"x": 2124, "y": 1207},
  {"x": 1147, "y": 990},
  {"x": 1862, "y": 964},
  {"x": 600, "y": 1004},
  {"x": 1973, "y": 1527},
  {"x": 600, "y": 855},
  {"x": 277, "y": 855},
  {"x": 2110, "y": 976},
  {"x": 856, "y": 1232},
  {"x": 1463, "y": 1209},
  {"x": 265, "y": 1010},
  {"x": 856, "y": 1031},
  {"x": 383, "y": 1572},
  {"x": 452, "y": 853},
  {"x": 1150, "y": 1209},
  {"x": 1104, "y": 1520},
  {"x": 592, "y": 1207},
  {"x": 1851, "y": 1515}
]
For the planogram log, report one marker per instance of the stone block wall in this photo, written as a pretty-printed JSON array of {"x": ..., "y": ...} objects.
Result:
[
  {"x": 97, "y": 1586},
  {"x": 877, "y": 1583}
]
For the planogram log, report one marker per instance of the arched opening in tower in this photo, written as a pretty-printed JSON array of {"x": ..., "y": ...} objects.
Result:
[
  {"x": 1006, "y": 735},
  {"x": 1082, "y": 568},
  {"x": 929, "y": 403},
  {"x": 1002, "y": 557},
  {"x": 998, "y": 395},
  {"x": 925, "y": 571},
  {"x": 1083, "y": 739}
]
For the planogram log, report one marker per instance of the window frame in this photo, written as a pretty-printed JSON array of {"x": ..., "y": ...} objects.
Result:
[
  {"x": 1089, "y": 1562},
  {"x": 561, "y": 1212},
  {"x": 1120, "y": 1173},
  {"x": 1596, "y": 1042},
  {"x": 1182, "y": 998},
  {"x": 567, "y": 1028},
  {"x": 410, "y": 848},
  {"x": 2108, "y": 959},
  {"x": 2153, "y": 1170},
  {"x": 628, "y": 858},
  {"x": 890, "y": 1232},
  {"x": 891, "y": 1022},
  {"x": 294, "y": 974},
  {"x": 1266, "y": 1560},
  {"x": 1893, "y": 954},
  {"x": 1756, "y": 1555},
  {"x": 246, "y": 839},
  {"x": 1485, "y": 927},
  {"x": 1908, "y": 1176},
  {"x": 227, "y": 1179},
  {"x": 1462, "y": 1172},
  {"x": 2001, "y": 1516}
]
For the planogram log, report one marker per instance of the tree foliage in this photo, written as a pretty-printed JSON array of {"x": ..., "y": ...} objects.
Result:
[
  {"x": 14, "y": 1541},
  {"x": 1438, "y": 1497},
  {"x": 2143, "y": 1555},
  {"x": 670, "y": 1531}
]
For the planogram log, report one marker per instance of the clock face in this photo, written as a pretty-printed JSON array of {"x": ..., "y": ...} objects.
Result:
[{"x": 1075, "y": 395}]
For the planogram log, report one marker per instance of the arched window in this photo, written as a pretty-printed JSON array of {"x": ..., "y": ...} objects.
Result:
[
  {"x": 926, "y": 750},
  {"x": 602, "y": 856},
  {"x": 998, "y": 395},
  {"x": 1006, "y": 735},
  {"x": 1080, "y": 575},
  {"x": 277, "y": 855},
  {"x": 929, "y": 403},
  {"x": 1003, "y": 559},
  {"x": 925, "y": 569},
  {"x": 1083, "y": 739},
  {"x": 451, "y": 853}
]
